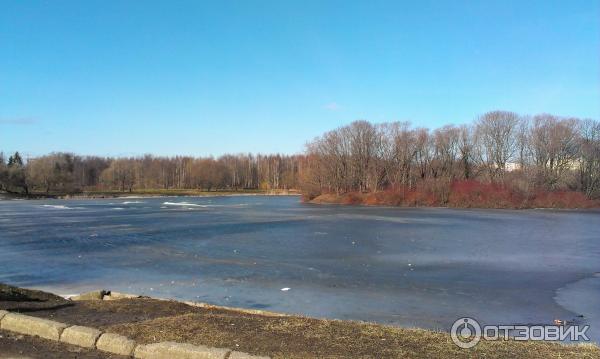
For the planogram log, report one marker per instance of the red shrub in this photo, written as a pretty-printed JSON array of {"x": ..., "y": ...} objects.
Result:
[
  {"x": 561, "y": 199},
  {"x": 462, "y": 194},
  {"x": 484, "y": 195}
]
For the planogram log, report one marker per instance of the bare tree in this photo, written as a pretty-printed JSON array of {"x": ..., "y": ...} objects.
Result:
[
  {"x": 555, "y": 147},
  {"x": 465, "y": 148},
  {"x": 496, "y": 141},
  {"x": 589, "y": 168},
  {"x": 120, "y": 174},
  {"x": 544, "y": 152}
]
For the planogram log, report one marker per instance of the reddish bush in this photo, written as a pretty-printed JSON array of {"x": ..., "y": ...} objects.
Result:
[
  {"x": 484, "y": 195},
  {"x": 562, "y": 199},
  {"x": 462, "y": 194},
  {"x": 352, "y": 198}
]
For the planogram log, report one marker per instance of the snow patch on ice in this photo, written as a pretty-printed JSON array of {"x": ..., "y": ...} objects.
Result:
[
  {"x": 59, "y": 206},
  {"x": 184, "y": 204}
]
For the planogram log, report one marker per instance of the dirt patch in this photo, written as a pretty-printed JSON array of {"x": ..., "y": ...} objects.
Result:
[
  {"x": 298, "y": 337},
  {"x": 22, "y": 346},
  {"x": 101, "y": 314},
  {"x": 24, "y": 300}
]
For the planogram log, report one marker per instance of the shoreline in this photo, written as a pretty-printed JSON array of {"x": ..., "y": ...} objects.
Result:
[
  {"x": 292, "y": 193},
  {"x": 147, "y": 320},
  {"x": 144, "y": 194},
  {"x": 574, "y": 209},
  {"x": 386, "y": 199}
]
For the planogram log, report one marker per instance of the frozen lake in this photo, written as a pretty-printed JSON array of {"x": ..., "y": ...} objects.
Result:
[{"x": 399, "y": 266}]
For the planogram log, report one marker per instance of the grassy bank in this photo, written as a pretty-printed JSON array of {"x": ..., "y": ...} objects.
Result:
[
  {"x": 150, "y": 320},
  {"x": 148, "y": 193},
  {"x": 184, "y": 192}
]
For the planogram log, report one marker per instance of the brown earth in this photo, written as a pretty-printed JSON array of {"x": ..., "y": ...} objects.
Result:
[
  {"x": 151, "y": 320},
  {"x": 22, "y": 346}
]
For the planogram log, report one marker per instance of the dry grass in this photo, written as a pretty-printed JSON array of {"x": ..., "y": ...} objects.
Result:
[
  {"x": 152, "y": 320},
  {"x": 299, "y": 337},
  {"x": 182, "y": 192}
]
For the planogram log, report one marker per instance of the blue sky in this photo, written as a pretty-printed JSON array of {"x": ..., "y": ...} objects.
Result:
[{"x": 199, "y": 77}]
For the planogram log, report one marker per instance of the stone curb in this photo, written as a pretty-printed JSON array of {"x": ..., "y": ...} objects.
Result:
[
  {"x": 92, "y": 338},
  {"x": 115, "y": 344},
  {"x": 81, "y": 336},
  {"x": 240, "y": 355},
  {"x": 94, "y": 295},
  {"x": 118, "y": 296},
  {"x": 172, "y": 350},
  {"x": 25, "y": 324}
]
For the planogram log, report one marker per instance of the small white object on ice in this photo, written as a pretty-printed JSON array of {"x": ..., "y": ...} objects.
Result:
[
  {"x": 285, "y": 289},
  {"x": 409, "y": 264}
]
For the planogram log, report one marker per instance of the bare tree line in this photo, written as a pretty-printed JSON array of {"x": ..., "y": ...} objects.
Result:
[
  {"x": 527, "y": 153},
  {"x": 543, "y": 152},
  {"x": 68, "y": 173}
]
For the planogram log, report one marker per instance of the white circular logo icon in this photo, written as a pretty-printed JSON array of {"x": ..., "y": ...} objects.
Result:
[{"x": 465, "y": 332}]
